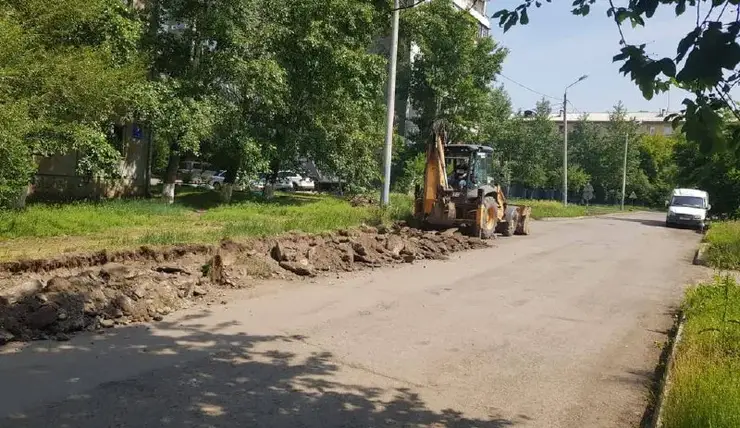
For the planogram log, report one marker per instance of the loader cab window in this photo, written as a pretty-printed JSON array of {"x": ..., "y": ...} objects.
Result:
[
  {"x": 481, "y": 168},
  {"x": 458, "y": 171}
]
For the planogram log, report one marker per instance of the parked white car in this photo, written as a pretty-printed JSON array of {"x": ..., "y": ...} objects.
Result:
[
  {"x": 216, "y": 180},
  {"x": 688, "y": 207},
  {"x": 289, "y": 180}
]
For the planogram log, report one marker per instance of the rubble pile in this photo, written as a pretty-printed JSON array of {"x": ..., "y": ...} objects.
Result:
[{"x": 48, "y": 299}]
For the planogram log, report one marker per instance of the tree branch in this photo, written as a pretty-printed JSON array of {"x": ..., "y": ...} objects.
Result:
[
  {"x": 616, "y": 21},
  {"x": 728, "y": 101}
]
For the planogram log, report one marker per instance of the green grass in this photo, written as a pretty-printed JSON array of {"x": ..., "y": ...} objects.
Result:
[
  {"x": 724, "y": 245},
  {"x": 43, "y": 230},
  {"x": 553, "y": 209},
  {"x": 705, "y": 379}
]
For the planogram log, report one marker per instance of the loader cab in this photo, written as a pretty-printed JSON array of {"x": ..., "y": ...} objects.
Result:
[{"x": 468, "y": 166}]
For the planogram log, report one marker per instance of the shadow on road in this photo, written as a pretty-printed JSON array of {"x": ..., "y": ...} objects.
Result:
[
  {"x": 654, "y": 223},
  {"x": 643, "y": 221},
  {"x": 186, "y": 374}
]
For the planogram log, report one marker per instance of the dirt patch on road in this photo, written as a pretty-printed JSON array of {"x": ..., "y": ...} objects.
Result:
[{"x": 53, "y": 298}]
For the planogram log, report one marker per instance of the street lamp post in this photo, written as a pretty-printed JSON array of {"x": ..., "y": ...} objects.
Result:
[
  {"x": 391, "y": 106},
  {"x": 565, "y": 138},
  {"x": 624, "y": 169}
]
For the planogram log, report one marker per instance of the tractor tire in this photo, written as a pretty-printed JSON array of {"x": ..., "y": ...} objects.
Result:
[
  {"x": 524, "y": 229},
  {"x": 509, "y": 227},
  {"x": 489, "y": 220}
]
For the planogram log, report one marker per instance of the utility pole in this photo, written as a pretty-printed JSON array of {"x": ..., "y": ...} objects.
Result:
[
  {"x": 624, "y": 170},
  {"x": 565, "y": 138},
  {"x": 391, "y": 106},
  {"x": 565, "y": 147}
]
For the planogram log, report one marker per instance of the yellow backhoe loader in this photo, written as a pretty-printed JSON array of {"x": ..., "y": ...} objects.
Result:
[{"x": 466, "y": 197}]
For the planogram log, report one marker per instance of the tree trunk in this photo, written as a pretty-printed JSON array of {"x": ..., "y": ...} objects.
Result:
[
  {"x": 168, "y": 191},
  {"x": 23, "y": 192},
  {"x": 227, "y": 189},
  {"x": 269, "y": 191}
]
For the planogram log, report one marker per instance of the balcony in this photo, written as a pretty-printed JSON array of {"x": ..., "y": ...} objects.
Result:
[{"x": 476, "y": 5}]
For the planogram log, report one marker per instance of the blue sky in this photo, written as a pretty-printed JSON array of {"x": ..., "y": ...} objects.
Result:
[{"x": 557, "y": 47}]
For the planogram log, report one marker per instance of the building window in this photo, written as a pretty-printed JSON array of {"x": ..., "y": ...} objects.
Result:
[
  {"x": 483, "y": 31},
  {"x": 652, "y": 130},
  {"x": 668, "y": 130}
]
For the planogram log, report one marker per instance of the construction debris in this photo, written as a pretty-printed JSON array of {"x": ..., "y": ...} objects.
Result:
[{"x": 41, "y": 299}]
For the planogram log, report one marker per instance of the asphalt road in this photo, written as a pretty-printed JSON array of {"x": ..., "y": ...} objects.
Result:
[{"x": 558, "y": 329}]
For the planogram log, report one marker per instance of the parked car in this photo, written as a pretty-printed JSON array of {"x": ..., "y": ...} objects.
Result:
[
  {"x": 216, "y": 180},
  {"x": 688, "y": 207},
  {"x": 289, "y": 180},
  {"x": 195, "y": 172},
  {"x": 258, "y": 184}
]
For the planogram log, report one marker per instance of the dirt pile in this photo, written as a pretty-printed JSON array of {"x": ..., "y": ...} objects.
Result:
[
  {"x": 115, "y": 294},
  {"x": 70, "y": 298},
  {"x": 363, "y": 201}
]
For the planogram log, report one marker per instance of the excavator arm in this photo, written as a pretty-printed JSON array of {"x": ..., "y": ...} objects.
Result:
[{"x": 435, "y": 174}]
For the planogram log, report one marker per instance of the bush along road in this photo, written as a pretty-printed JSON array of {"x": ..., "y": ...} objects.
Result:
[{"x": 704, "y": 382}]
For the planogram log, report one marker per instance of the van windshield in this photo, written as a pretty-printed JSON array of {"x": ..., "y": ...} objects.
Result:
[{"x": 688, "y": 201}]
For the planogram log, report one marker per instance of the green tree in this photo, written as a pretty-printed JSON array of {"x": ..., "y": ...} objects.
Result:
[
  {"x": 706, "y": 62},
  {"x": 530, "y": 145},
  {"x": 716, "y": 172},
  {"x": 332, "y": 109},
  {"x": 659, "y": 166},
  {"x": 451, "y": 75},
  {"x": 68, "y": 71},
  {"x": 599, "y": 150},
  {"x": 184, "y": 73}
]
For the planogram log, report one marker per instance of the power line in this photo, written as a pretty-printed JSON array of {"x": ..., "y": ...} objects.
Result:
[
  {"x": 528, "y": 88},
  {"x": 574, "y": 107}
]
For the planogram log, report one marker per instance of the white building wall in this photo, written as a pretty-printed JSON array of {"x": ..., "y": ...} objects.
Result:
[{"x": 477, "y": 8}]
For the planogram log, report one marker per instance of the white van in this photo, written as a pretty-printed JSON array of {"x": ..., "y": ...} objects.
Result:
[{"x": 688, "y": 207}]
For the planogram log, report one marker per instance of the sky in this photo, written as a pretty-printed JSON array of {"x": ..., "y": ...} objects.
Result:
[{"x": 556, "y": 48}]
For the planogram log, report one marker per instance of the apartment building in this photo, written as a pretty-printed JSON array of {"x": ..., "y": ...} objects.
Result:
[
  {"x": 477, "y": 8},
  {"x": 652, "y": 123}
]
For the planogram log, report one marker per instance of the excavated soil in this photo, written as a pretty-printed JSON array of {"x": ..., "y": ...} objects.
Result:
[{"x": 53, "y": 298}]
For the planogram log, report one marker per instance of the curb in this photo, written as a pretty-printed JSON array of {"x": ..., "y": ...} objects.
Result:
[
  {"x": 657, "y": 420},
  {"x": 583, "y": 217}
]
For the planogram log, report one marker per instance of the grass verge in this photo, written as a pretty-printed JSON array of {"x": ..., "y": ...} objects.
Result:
[
  {"x": 704, "y": 390},
  {"x": 724, "y": 245},
  {"x": 553, "y": 209},
  {"x": 44, "y": 230}
]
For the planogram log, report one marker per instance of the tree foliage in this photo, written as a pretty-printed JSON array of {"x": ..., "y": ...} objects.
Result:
[
  {"x": 451, "y": 74},
  {"x": 716, "y": 172},
  {"x": 331, "y": 110},
  {"x": 450, "y": 78},
  {"x": 68, "y": 71},
  {"x": 706, "y": 60}
]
